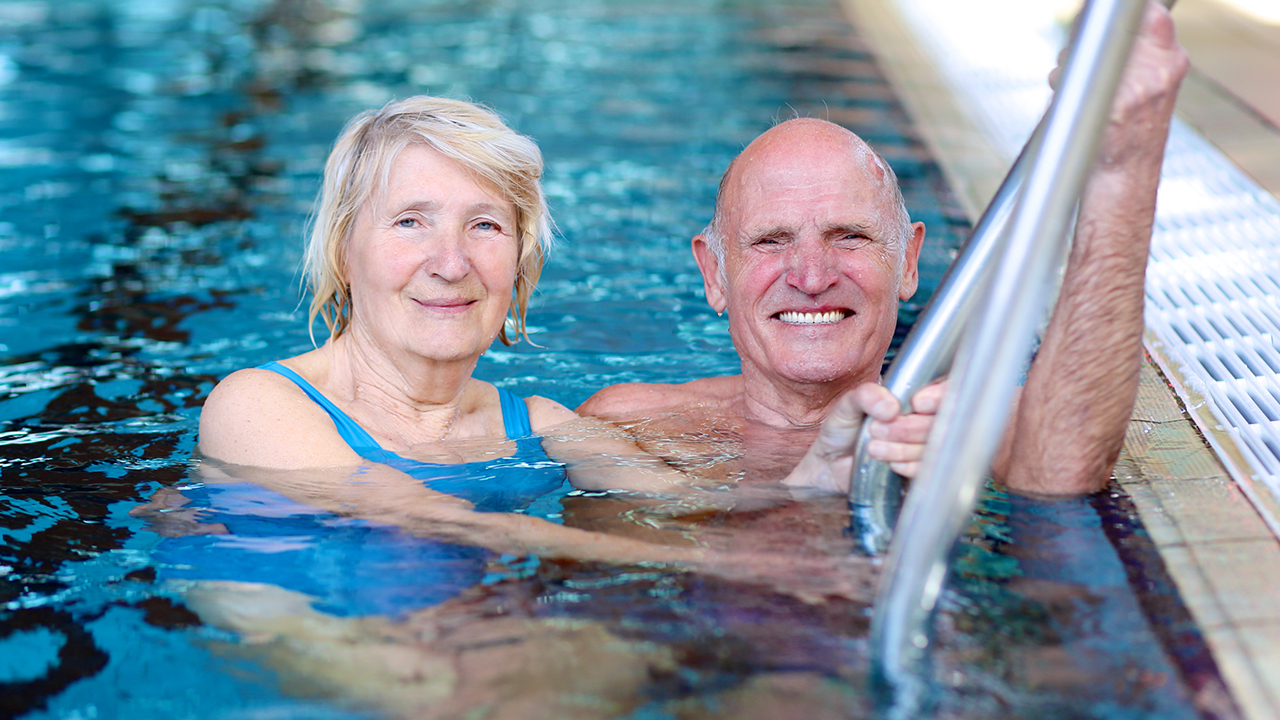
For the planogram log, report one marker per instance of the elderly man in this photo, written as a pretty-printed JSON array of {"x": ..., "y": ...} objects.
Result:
[{"x": 811, "y": 249}]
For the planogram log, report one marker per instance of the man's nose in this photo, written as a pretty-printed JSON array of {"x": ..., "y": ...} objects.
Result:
[{"x": 811, "y": 267}]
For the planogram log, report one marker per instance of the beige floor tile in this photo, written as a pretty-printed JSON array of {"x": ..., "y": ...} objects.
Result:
[
  {"x": 1266, "y": 175},
  {"x": 1194, "y": 589},
  {"x": 1238, "y": 53},
  {"x": 1126, "y": 470},
  {"x": 1238, "y": 669},
  {"x": 1249, "y": 140},
  {"x": 1230, "y": 94},
  {"x": 1262, "y": 642},
  {"x": 1170, "y": 451},
  {"x": 1245, "y": 576},
  {"x": 1155, "y": 403},
  {"x": 1210, "y": 509},
  {"x": 1159, "y": 525}
]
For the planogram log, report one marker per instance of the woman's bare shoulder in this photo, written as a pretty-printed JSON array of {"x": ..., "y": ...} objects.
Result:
[{"x": 261, "y": 418}]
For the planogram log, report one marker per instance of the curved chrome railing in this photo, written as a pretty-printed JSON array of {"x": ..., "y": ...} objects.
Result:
[
  {"x": 875, "y": 491},
  {"x": 974, "y": 412}
]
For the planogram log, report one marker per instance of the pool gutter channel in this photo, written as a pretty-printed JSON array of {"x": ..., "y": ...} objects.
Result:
[{"x": 1203, "y": 498}]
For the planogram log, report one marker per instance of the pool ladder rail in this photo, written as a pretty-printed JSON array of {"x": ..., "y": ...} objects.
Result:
[{"x": 1013, "y": 255}]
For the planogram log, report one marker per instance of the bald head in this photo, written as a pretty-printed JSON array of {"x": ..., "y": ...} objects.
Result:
[{"x": 801, "y": 147}]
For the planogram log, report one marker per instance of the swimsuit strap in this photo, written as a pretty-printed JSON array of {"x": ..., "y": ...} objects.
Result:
[
  {"x": 350, "y": 431},
  {"x": 515, "y": 414}
]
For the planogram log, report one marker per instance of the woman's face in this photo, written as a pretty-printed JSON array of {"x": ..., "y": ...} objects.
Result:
[{"x": 431, "y": 261}]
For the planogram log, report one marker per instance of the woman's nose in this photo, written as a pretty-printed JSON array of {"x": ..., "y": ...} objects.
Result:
[{"x": 449, "y": 260}]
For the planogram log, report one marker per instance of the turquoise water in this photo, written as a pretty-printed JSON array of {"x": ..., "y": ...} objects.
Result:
[{"x": 159, "y": 160}]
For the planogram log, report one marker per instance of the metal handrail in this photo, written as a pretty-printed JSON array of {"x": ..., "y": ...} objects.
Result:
[
  {"x": 971, "y": 420},
  {"x": 875, "y": 491}
]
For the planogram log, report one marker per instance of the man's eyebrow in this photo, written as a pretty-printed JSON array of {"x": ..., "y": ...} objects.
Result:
[
  {"x": 866, "y": 228},
  {"x": 771, "y": 231},
  {"x": 767, "y": 231}
]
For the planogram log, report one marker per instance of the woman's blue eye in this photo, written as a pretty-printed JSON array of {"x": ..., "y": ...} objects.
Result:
[
  {"x": 486, "y": 225},
  {"x": 406, "y": 222}
]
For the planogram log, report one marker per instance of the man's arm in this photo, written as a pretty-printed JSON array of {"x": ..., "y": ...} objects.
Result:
[{"x": 1081, "y": 388}]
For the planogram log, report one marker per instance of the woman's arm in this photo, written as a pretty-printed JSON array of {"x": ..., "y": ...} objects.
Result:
[
  {"x": 599, "y": 455},
  {"x": 382, "y": 494}
]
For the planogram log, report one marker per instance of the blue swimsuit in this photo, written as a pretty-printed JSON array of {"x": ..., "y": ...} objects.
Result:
[{"x": 353, "y": 566}]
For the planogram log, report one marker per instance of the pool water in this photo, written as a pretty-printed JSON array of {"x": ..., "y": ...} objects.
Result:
[{"x": 160, "y": 160}]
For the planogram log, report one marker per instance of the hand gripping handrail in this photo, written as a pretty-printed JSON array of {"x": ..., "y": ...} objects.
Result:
[
  {"x": 971, "y": 420},
  {"x": 926, "y": 353}
]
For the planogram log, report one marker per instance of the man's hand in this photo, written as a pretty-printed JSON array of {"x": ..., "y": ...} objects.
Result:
[{"x": 897, "y": 439}]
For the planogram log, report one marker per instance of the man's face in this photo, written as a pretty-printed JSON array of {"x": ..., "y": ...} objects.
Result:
[{"x": 813, "y": 270}]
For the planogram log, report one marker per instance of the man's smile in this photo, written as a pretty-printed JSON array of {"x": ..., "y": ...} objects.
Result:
[{"x": 826, "y": 317}]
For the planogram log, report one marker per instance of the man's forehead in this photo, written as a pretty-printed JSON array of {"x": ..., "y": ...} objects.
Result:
[
  {"x": 801, "y": 142},
  {"x": 781, "y": 218},
  {"x": 813, "y": 169}
]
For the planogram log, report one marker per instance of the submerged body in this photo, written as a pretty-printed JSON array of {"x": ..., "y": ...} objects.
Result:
[{"x": 252, "y": 534}]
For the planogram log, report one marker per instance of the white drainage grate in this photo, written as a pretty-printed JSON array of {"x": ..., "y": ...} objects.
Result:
[
  {"x": 1212, "y": 295},
  {"x": 1213, "y": 302}
]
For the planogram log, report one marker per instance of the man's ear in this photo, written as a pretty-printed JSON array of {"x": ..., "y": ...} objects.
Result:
[
  {"x": 709, "y": 264},
  {"x": 910, "y": 278}
]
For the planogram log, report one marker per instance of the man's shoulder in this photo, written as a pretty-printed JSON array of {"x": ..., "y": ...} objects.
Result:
[{"x": 633, "y": 399}]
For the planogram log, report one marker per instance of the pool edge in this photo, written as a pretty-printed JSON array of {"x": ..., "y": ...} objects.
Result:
[{"x": 1220, "y": 547}]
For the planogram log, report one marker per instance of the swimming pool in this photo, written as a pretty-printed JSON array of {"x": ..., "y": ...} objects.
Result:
[{"x": 160, "y": 160}]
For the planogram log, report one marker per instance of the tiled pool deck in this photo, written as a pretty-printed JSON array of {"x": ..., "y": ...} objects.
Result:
[{"x": 1223, "y": 556}]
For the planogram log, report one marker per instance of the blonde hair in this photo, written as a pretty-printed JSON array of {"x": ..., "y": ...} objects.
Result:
[{"x": 360, "y": 164}]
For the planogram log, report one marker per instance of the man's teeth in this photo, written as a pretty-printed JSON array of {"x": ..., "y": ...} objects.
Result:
[{"x": 805, "y": 318}]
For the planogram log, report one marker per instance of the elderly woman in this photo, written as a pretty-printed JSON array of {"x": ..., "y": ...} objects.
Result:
[
  {"x": 430, "y": 233},
  {"x": 428, "y": 240}
]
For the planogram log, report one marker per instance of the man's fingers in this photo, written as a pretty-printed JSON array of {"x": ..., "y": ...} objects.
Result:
[
  {"x": 876, "y": 401},
  {"x": 906, "y": 429},
  {"x": 1158, "y": 25},
  {"x": 891, "y": 452},
  {"x": 928, "y": 399},
  {"x": 839, "y": 431},
  {"x": 906, "y": 469}
]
